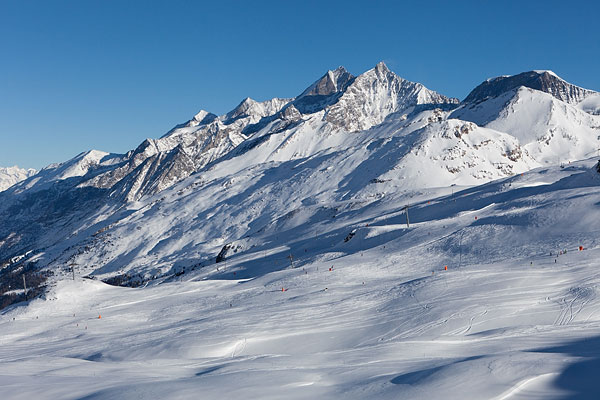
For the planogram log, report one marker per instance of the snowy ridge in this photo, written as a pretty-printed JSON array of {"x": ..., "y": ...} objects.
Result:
[
  {"x": 205, "y": 138},
  {"x": 74, "y": 171},
  {"x": 545, "y": 81}
]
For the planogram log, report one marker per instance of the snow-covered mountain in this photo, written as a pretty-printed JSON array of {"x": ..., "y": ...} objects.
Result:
[
  {"x": 11, "y": 175},
  {"x": 495, "y": 285},
  {"x": 216, "y": 183},
  {"x": 543, "y": 81},
  {"x": 368, "y": 238},
  {"x": 377, "y": 93},
  {"x": 338, "y": 98},
  {"x": 553, "y": 120}
]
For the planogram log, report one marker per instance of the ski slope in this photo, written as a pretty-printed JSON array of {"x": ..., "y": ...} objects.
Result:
[{"x": 374, "y": 316}]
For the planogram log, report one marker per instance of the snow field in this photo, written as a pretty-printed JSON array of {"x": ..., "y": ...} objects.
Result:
[{"x": 511, "y": 329}]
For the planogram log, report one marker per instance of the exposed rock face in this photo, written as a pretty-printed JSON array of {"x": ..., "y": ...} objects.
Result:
[
  {"x": 545, "y": 81},
  {"x": 157, "y": 164},
  {"x": 324, "y": 91},
  {"x": 332, "y": 82},
  {"x": 290, "y": 113}
]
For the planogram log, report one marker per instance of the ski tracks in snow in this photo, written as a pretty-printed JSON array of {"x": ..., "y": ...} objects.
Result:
[{"x": 573, "y": 303}]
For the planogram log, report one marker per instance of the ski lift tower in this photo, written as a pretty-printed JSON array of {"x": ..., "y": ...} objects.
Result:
[
  {"x": 405, "y": 209},
  {"x": 72, "y": 265}
]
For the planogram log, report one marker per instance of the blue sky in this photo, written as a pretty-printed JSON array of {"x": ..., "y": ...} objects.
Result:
[{"x": 77, "y": 75}]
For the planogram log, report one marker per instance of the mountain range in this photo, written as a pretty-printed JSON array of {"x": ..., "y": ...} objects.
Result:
[
  {"x": 269, "y": 173},
  {"x": 12, "y": 175}
]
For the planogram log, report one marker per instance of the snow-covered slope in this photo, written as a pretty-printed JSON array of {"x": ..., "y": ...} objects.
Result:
[
  {"x": 550, "y": 130},
  {"x": 11, "y": 175},
  {"x": 487, "y": 286},
  {"x": 303, "y": 170}
]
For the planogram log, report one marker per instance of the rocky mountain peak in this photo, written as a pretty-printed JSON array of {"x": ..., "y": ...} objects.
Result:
[
  {"x": 330, "y": 83},
  {"x": 381, "y": 68},
  {"x": 203, "y": 117},
  {"x": 242, "y": 108},
  {"x": 255, "y": 109},
  {"x": 324, "y": 92},
  {"x": 290, "y": 113},
  {"x": 377, "y": 93}
]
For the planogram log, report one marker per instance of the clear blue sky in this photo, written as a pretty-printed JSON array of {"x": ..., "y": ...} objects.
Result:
[{"x": 77, "y": 75}]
